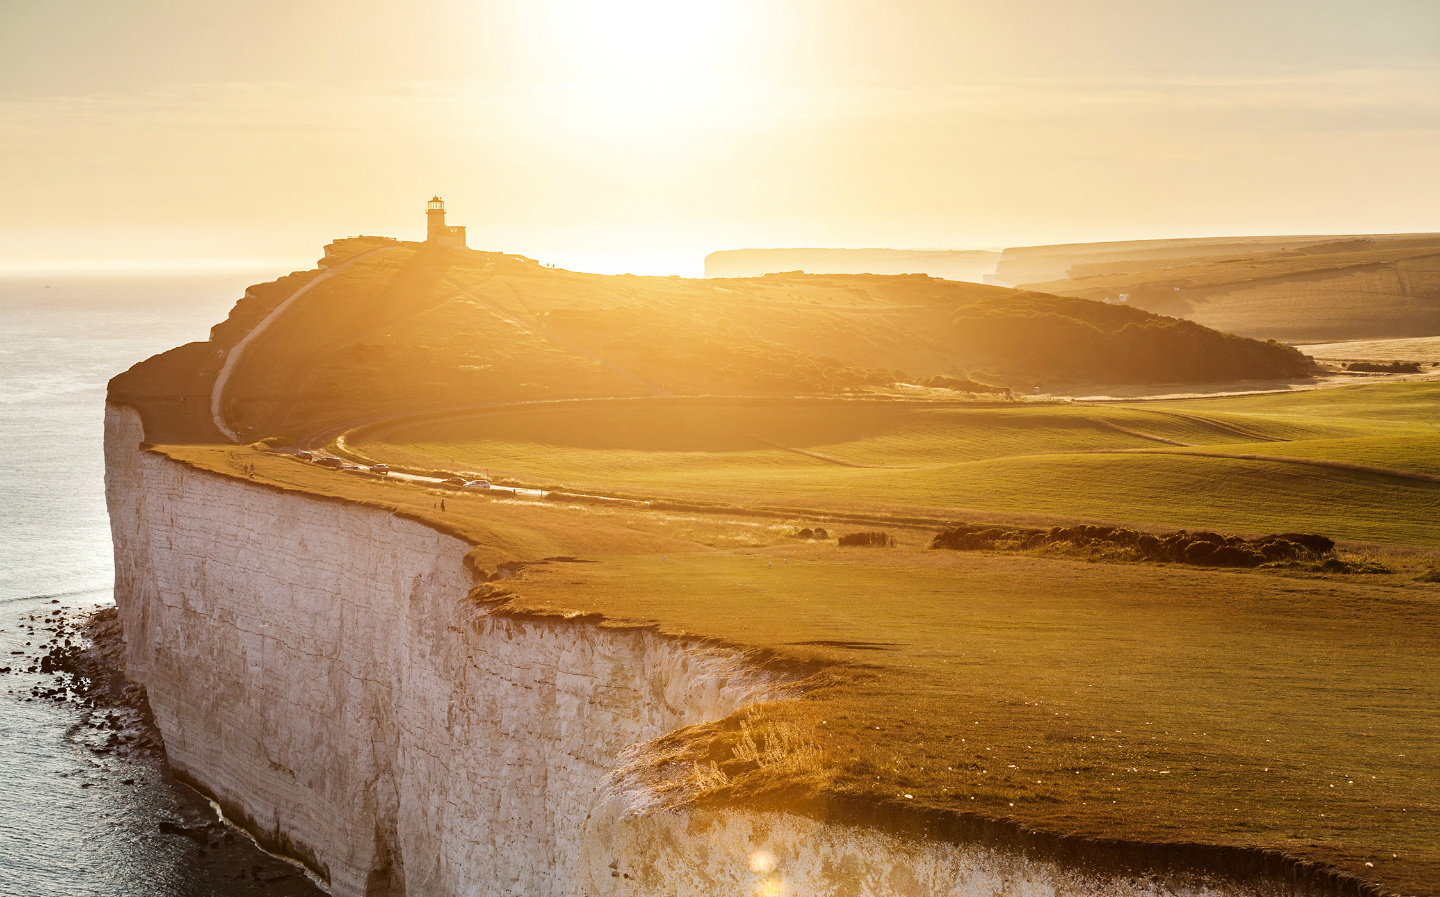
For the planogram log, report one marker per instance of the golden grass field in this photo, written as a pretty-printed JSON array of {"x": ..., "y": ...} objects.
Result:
[
  {"x": 1270, "y": 708},
  {"x": 1418, "y": 349}
]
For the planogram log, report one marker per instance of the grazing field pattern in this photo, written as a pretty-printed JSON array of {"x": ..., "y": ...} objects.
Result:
[{"x": 1356, "y": 464}]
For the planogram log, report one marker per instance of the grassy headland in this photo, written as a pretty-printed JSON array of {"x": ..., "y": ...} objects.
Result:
[{"x": 406, "y": 327}]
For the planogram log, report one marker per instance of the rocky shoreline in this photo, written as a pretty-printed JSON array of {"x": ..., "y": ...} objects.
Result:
[{"x": 80, "y": 654}]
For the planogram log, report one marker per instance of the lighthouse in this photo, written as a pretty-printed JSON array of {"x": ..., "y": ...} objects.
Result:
[{"x": 437, "y": 232}]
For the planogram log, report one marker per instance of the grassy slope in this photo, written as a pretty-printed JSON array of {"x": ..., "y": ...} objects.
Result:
[
  {"x": 405, "y": 329},
  {"x": 1348, "y": 290},
  {"x": 1134, "y": 701},
  {"x": 1025, "y": 462},
  {"x": 1417, "y": 349}
]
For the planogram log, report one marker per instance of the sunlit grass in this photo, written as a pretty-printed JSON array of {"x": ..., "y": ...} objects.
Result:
[
  {"x": 1132, "y": 464},
  {"x": 1139, "y": 702}
]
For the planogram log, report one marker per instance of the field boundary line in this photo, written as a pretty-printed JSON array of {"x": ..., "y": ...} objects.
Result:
[
  {"x": 830, "y": 459},
  {"x": 1214, "y": 424},
  {"x": 1311, "y": 462},
  {"x": 1136, "y": 433}
]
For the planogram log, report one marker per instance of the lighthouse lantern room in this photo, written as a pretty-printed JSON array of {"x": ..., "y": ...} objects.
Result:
[{"x": 437, "y": 232}]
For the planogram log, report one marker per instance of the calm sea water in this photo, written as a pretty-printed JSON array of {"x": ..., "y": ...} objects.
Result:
[{"x": 70, "y": 825}]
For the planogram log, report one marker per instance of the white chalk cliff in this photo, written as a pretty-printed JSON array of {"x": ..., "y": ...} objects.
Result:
[{"x": 317, "y": 667}]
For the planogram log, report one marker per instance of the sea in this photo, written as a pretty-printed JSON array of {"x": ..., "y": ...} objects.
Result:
[{"x": 74, "y": 822}]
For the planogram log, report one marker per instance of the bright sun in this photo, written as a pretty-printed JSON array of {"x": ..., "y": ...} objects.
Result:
[
  {"x": 631, "y": 70},
  {"x": 629, "y": 42}
]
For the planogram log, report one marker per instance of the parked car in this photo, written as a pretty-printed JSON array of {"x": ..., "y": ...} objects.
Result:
[
  {"x": 454, "y": 481},
  {"x": 478, "y": 484},
  {"x": 305, "y": 456},
  {"x": 382, "y": 469},
  {"x": 331, "y": 463}
]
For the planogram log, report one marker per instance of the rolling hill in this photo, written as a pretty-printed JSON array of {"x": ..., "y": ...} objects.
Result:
[
  {"x": 385, "y": 326},
  {"x": 1303, "y": 289}
]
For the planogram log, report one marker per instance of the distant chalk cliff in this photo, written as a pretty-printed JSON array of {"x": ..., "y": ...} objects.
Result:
[{"x": 971, "y": 265}]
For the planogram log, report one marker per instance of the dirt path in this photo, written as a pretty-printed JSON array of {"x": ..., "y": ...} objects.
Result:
[{"x": 232, "y": 358}]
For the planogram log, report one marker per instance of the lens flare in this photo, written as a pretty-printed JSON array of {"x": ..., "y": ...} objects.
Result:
[{"x": 770, "y": 887}]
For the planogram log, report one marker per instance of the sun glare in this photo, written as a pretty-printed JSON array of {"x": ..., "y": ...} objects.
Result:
[
  {"x": 628, "y": 69},
  {"x": 634, "y": 42}
]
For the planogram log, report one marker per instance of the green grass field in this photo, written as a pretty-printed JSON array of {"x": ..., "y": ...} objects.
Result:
[{"x": 1134, "y": 464}]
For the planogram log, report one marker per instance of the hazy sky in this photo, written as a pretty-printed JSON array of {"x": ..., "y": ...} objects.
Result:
[{"x": 637, "y": 135}]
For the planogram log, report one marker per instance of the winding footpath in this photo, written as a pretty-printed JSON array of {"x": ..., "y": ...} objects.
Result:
[{"x": 232, "y": 358}]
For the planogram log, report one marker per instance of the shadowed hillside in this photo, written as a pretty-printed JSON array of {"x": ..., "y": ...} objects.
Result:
[{"x": 387, "y": 327}]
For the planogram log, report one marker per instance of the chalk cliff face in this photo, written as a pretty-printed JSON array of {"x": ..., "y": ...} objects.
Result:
[{"x": 317, "y": 667}]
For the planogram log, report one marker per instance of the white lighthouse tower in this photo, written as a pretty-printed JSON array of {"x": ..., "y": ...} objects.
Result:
[{"x": 437, "y": 232}]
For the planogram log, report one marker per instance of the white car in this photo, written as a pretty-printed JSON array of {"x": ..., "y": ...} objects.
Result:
[
  {"x": 478, "y": 484},
  {"x": 380, "y": 469}
]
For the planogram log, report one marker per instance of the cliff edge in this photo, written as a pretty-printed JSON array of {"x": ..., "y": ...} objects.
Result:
[{"x": 325, "y": 672}]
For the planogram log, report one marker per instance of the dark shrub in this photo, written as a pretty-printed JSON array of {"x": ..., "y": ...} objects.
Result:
[
  {"x": 881, "y": 540},
  {"x": 806, "y": 533},
  {"x": 1394, "y": 367},
  {"x": 1124, "y": 537},
  {"x": 1203, "y": 548},
  {"x": 1199, "y": 552},
  {"x": 820, "y": 533},
  {"x": 1281, "y": 550},
  {"x": 1312, "y": 542},
  {"x": 1235, "y": 556}
]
